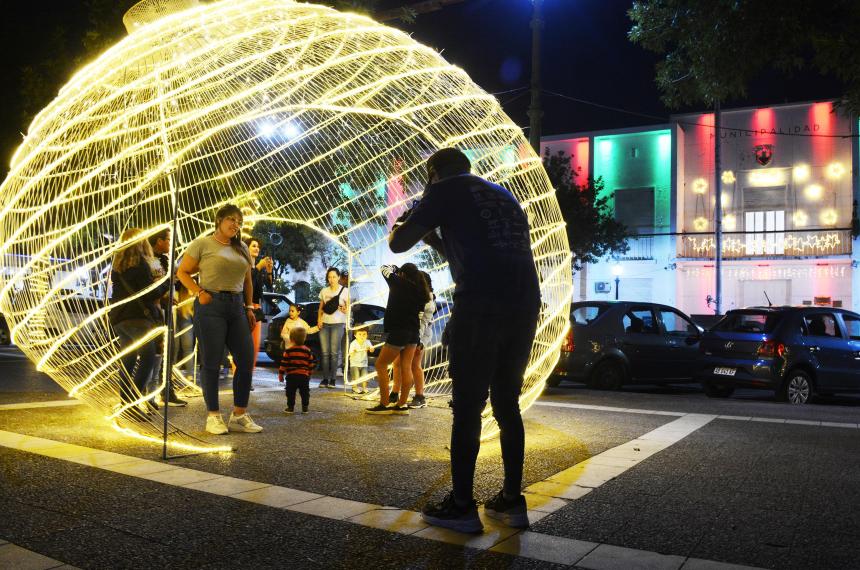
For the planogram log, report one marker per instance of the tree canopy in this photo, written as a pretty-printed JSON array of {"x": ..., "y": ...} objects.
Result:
[
  {"x": 592, "y": 230},
  {"x": 712, "y": 49}
]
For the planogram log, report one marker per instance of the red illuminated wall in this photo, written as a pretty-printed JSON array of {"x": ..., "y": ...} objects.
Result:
[
  {"x": 821, "y": 115},
  {"x": 578, "y": 149}
]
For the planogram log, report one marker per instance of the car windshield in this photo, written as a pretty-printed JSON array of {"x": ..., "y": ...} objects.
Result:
[
  {"x": 749, "y": 322},
  {"x": 587, "y": 314}
]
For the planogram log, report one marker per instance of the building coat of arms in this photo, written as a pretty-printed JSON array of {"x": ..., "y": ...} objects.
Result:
[{"x": 763, "y": 153}]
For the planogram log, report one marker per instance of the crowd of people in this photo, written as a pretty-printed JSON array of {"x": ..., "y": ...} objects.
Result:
[{"x": 478, "y": 227}]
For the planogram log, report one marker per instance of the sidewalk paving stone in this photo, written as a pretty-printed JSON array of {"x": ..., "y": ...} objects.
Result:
[
  {"x": 545, "y": 547},
  {"x": 14, "y": 557},
  {"x": 608, "y": 557}
]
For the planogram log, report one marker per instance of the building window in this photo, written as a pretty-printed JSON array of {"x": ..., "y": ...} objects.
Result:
[
  {"x": 634, "y": 207},
  {"x": 765, "y": 243}
]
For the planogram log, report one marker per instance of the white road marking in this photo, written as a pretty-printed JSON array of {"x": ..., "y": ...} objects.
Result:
[{"x": 680, "y": 414}]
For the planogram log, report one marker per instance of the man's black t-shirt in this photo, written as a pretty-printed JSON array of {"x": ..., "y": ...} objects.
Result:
[{"x": 486, "y": 237}]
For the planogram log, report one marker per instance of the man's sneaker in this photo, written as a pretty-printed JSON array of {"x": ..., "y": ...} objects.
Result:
[
  {"x": 393, "y": 397},
  {"x": 243, "y": 423},
  {"x": 304, "y": 409},
  {"x": 450, "y": 515},
  {"x": 215, "y": 425},
  {"x": 332, "y": 384},
  {"x": 288, "y": 410},
  {"x": 323, "y": 384},
  {"x": 512, "y": 512},
  {"x": 400, "y": 410},
  {"x": 418, "y": 402},
  {"x": 378, "y": 409},
  {"x": 175, "y": 402}
]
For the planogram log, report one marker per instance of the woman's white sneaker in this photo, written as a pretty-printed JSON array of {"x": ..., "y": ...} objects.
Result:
[
  {"x": 243, "y": 423},
  {"x": 215, "y": 425}
]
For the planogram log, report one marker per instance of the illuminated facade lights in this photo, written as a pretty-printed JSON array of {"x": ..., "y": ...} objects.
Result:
[
  {"x": 791, "y": 244},
  {"x": 800, "y": 173},
  {"x": 273, "y": 104},
  {"x": 728, "y": 177},
  {"x": 800, "y": 218},
  {"x": 835, "y": 170},
  {"x": 770, "y": 177},
  {"x": 700, "y": 186},
  {"x": 829, "y": 217},
  {"x": 730, "y": 222},
  {"x": 700, "y": 224},
  {"x": 813, "y": 192}
]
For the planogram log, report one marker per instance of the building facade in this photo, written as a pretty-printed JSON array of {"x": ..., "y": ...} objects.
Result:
[{"x": 789, "y": 189}]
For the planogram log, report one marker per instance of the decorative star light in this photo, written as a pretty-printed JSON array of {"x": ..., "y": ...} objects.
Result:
[{"x": 304, "y": 114}]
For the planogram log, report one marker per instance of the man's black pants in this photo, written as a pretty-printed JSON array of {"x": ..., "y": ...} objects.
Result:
[{"x": 488, "y": 355}]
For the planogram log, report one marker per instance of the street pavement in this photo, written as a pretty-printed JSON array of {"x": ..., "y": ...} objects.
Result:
[{"x": 642, "y": 478}]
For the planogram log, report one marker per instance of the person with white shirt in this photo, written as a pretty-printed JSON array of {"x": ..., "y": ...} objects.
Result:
[{"x": 332, "y": 317}]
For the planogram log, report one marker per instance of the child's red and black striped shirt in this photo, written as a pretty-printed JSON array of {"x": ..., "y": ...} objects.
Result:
[{"x": 298, "y": 360}]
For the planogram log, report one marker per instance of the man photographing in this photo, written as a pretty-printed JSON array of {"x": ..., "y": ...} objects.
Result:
[{"x": 485, "y": 238}]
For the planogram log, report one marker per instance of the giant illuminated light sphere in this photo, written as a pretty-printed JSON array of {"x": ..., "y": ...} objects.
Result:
[{"x": 297, "y": 112}]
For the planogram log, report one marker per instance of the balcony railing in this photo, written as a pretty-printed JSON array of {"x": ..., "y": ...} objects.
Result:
[
  {"x": 641, "y": 248},
  {"x": 736, "y": 245}
]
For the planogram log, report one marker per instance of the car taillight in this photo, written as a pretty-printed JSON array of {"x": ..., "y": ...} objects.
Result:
[
  {"x": 771, "y": 348},
  {"x": 567, "y": 345}
]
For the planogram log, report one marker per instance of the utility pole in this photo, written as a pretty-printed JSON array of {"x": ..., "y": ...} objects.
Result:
[
  {"x": 718, "y": 213},
  {"x": 535, "y": 112}
]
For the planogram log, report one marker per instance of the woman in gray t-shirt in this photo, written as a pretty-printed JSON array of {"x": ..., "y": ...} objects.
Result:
[{"x": 223, "y": 314}]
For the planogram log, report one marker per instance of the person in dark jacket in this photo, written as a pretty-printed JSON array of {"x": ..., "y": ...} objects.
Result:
[
  {"x": 135, "y": 311},
  {"x": 160, "y": 244},
  {"x": 261, "y": 279},
  {"x": 408, "y": 292}
]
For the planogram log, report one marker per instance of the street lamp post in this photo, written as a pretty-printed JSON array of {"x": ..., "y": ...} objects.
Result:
[
  {"x": 617, "y": 270},
  {"x": 535, "y": 113}
]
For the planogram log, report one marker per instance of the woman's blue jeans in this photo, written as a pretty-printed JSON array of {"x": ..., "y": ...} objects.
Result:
[
  {"x": 224, "y": 322},
  {"x": 133, "y": 382},
  {"x": 331, "y": 337}
]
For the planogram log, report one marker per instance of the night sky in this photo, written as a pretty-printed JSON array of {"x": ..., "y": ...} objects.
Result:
[{"x": 586, "y": 55}]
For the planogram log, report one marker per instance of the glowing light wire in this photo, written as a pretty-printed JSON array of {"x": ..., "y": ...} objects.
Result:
[{"x": 172, "y": 115}]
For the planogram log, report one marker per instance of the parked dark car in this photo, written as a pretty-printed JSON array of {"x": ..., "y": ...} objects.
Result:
[
  {"x": 272, "y": 305},
  {"x": 796, "y": 351},
  {"x": 612, "y": 343},
  {"x": 362, "y": 313},
  {"x": 5, "y": 337}
]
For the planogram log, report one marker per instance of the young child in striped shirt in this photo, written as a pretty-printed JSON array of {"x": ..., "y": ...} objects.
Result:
[{"x": 297, "y": 364}]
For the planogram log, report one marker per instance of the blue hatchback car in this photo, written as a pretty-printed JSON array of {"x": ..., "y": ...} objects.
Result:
[{"x": 796, "y": 351}]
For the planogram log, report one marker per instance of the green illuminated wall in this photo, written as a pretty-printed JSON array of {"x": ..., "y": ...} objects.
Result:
[{"x": 638, "y": 160}]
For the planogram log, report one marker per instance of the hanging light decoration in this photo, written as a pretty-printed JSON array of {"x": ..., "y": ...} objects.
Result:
[
  {"x": 700, "y": 186},
  {"x": 272, "y": 104}
]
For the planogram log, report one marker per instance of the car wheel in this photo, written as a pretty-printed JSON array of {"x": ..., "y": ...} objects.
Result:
[
  {"x": 553, "y": 380},
  {"x": 717, "y": 389},
  {"x": 608, "y": 375},
  {"x": 797, "y": 388}
]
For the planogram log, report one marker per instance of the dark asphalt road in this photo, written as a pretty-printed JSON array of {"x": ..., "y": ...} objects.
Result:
[{"x": 740, "y": 489}]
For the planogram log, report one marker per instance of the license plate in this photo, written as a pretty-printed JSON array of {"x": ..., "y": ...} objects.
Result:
[{"x": 725, "y": 371}]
